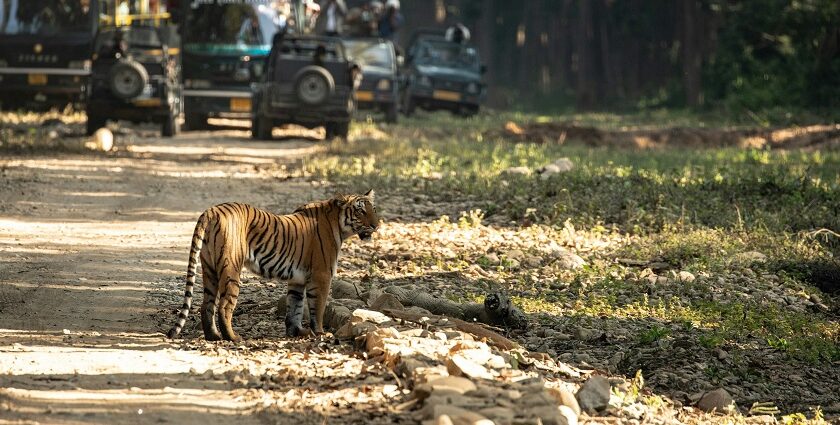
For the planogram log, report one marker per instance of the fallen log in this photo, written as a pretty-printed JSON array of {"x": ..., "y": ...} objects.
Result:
[{"x": 463, "y": 326}]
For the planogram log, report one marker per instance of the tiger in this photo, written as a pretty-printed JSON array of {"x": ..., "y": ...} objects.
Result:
[{"x": 300, "y": 248}]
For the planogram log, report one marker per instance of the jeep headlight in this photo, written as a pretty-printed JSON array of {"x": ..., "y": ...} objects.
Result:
[
  {"x": 424, "y": 81},
  {"x": 472, "y": 88},
  {"x": 85, "y": 64},
  {"x": 383, "y": 84}
]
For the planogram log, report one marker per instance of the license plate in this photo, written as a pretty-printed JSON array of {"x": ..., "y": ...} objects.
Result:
[
  {"x": 364, "y": 96},
  {"x": 154, "y": 101},
  {"x": 446, "y": 95},
  {"x": 37, "y": 79},
  {"x": 240, "y": 104}
]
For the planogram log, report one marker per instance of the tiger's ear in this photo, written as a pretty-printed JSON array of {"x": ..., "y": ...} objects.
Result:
[
  {"x": 370, "y": 195},
  {"x": 339, "y": 200}
]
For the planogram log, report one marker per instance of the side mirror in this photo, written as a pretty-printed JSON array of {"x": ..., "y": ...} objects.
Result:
[{"x": 483, "y": 69}]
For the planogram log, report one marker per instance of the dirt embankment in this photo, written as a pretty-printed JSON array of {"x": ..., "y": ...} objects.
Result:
[{"x": 809, "y": 137}]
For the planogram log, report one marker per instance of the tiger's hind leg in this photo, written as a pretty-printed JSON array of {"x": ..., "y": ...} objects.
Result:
[
  {"x": 228, "y": 295},
  {"x": 294, "y": 312},
  {"x": 208, "y": 304}
]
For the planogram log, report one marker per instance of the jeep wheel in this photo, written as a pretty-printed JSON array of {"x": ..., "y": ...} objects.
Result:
[
  {"x": 170, "y": 126},
  {"x": 94, "y": 122},
  {"x": 195, "y": 121},
  {"x": 261, "y": 128},
  {"x": 408, "y": 105},
  {"x": 391, "y": 113},
  {"x": 337, "y": 129},
  {"x": 314, "y": 85},
  {"x": 127, "y": 79}
]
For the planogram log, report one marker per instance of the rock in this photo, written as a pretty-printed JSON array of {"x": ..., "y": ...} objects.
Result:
[
  {"x": 491, "y": 258},
  {"x": 459, "y": 416},
  {"x": 452, "y": 383},
  {"x": 533, "y": 261},
  {"x": 685, "y": 277},
  {"x": 569, "y": 261},
  {"x": 594, "y": 394},
  {"x": 515, "y": 254},
  {"x": 565, "y": 398},
  {"x": 570, "y": 415},
  {"x": 498, "y": 414},
  {"x": 375, "y": 342},
  {"x": 443, "y": 420},
  {"x": 418, "y": 310},
  {"x": 522, "y": 171},
  {"x": 720, "y": 354},
  {"x": 717, "y": 401},
  {"x": 586, "y": 334},
  {"x": 533, "y": 399},
  {"x": 749, "y": 257},
  {"x": 102, "y": 140},
  {"x": 549, "y": 415},
  {"x": 343, "y": 289},
  {"x": 361, "y": 315},
  {"x": 386, "y": 301},
  {"x": 561, "y": 165},
  {"x": 461, "y": 365}
]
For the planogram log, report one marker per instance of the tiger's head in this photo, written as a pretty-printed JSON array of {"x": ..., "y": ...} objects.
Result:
[{"x": 358, "y": 215}]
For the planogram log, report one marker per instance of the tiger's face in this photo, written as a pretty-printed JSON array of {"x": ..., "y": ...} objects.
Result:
[{"x": 360, "y": 216}]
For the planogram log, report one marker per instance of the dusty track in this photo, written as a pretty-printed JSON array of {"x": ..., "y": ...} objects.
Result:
[{"x": 86, "y": 243}]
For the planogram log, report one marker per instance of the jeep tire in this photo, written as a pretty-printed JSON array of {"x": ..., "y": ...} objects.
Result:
[
  {"x": 261, "y": 127},
  {"x": 94, "y": 122},
  {"x": 313, "y": 85},
  {"x": 127, "y": 79},
  {"x": 391, "y": 113},
  {"x": 195, "y": 121},
  {"x": 339, "y": 129}
]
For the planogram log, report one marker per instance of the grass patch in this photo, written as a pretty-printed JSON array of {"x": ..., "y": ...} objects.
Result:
[{"x": 695, "y": 210}]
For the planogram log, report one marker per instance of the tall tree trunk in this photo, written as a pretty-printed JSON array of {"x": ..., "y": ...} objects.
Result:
[
  {"x": 692, "y": 54},
  {"x": 586, "y": 90}
]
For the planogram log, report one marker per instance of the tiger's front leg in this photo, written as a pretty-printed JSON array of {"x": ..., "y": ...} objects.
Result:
[{"x": 317, "y": 294}]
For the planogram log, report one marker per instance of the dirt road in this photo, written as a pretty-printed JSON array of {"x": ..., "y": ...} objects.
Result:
[{"x": 93, "y": 248}]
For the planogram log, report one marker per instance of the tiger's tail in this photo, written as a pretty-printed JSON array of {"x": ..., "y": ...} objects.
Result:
[{"x": 192, "y": 267}]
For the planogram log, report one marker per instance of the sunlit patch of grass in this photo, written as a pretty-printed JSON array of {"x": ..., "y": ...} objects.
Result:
[{"x": 695, "y": 210}]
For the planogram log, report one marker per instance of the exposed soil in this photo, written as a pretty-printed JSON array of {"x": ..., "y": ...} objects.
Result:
[
  {"x": 809, "y": 137},
  {"x": 93, "y": 248}
]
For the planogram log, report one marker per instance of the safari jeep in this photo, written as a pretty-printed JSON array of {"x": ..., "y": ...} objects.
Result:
[
  {"x": 310, "y": 82},
  {"x": 441, "y": 74},
  {"x": 133, "y": 78},
  {"x": 379, "y": 88}
]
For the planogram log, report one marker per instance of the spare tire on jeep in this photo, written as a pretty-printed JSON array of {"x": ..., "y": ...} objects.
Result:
[
  {"x": 127, "y": 79},
  {"x": 314, "y": 85}
]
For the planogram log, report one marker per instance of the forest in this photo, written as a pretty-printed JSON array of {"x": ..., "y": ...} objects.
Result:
[{"x": 737, "y": 56}]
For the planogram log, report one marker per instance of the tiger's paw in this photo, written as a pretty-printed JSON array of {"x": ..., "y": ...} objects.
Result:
[{"x": 298, "y": 331}]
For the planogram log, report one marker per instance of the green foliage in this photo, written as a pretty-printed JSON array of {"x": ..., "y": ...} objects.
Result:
[
  {"x": 775, "y": 52},
  {"x": 653, "y": 334}
]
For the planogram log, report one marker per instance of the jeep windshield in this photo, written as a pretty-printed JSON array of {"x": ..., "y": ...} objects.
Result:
[
  {"x": 235, "y": 27},
  {"x": 447, "y": 54},
  {"x": 135, "y": 37},
  {"x": 45, "y": 17},
  {"x": 371, "y": 54}
]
